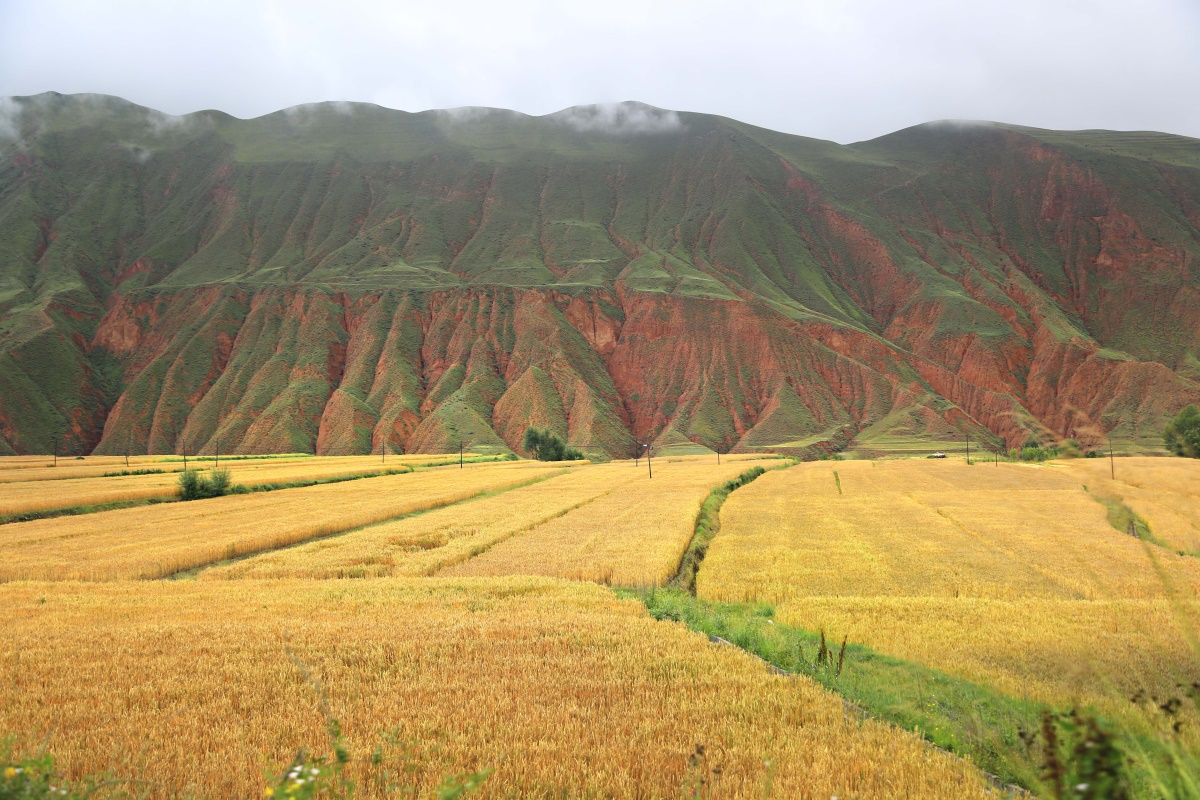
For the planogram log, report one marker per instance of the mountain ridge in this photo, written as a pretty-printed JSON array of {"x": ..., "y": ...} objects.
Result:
[{"x": 344, "y": 277}]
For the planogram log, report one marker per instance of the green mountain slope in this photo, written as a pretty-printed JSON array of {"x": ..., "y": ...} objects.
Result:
[{"x": 344, "y": 277}]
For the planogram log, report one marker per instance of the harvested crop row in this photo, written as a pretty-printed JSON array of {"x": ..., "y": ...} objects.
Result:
[
  {"x": 562, "y": 689},
  {"x": 423, "y": 544},
  {"x": 631, "y": 537},
  {"x": 160, "y": 540}
]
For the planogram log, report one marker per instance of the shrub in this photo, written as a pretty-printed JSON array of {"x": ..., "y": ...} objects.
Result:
[
  {"x": 1032, "y": 450},
  {"x": 547, "y": 446},
  {"x": 1182, "y": 434},
  {"x": 194, "y": 486}
]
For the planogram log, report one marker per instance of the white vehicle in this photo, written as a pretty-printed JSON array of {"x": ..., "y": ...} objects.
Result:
[{"x": 938, "y": 455}]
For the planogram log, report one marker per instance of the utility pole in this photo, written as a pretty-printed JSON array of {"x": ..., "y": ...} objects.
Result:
[
  {"x": 218, "y": 464},
  {"x": 968, "y": 449},
  {"x": 127, "y": 438},
  {"x": 185, "y": 456},
  {"x": 460, "y": 449},
  {"x": 648, "y": 465},
  {"x": 55, "y": 451},
  {"x": 718, "y": 455},
  {"x": 1111, "y": 464}
]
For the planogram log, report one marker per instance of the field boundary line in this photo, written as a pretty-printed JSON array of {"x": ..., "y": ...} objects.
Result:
[
  {"x": 560, "y": 513},
  {"x": 856, "y": 711},
  {"x": 191, "y": 572},
  {"x": 708, "y": 525}
]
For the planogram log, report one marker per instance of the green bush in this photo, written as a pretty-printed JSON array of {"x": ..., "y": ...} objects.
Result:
[
  {"x": 1032, "y": 450},
  {"x": 1182, "y": 434},
  {"x": 194, "y": 486},
  {"x": 546, "y": 446}
]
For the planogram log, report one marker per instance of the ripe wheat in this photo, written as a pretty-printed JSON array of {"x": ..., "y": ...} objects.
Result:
[
  {"x": 154, "y": 541},
  {"x": 635, "y": 536},
  {"x": 1010, "y": 574},
  {"x": 561, "y": 688},
  {"x": 424, "y": 544}
]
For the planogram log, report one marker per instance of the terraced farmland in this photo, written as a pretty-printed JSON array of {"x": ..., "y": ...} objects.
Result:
[{"x": 474, "y": 629}]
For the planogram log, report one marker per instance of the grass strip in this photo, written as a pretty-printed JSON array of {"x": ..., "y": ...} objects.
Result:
[
  {"x": 956, "y": 715},
  {"x": 1126, "y": 520},
  {"x": 236, "y": 458},
  {"x": 708, "y": 525},
  {"x": 74, "y": 511},
  {"x": 453, "y": 461},
  {"x": 271, "y": 487}
]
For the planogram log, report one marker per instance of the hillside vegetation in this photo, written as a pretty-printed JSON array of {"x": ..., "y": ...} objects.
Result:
[{"x": 348, "y": 279}]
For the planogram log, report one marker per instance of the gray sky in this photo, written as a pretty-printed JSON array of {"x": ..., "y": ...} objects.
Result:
[{"x": 837, "y": 69}]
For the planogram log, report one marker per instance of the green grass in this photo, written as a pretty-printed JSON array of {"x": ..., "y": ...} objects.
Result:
[
  {"x": 708, "y": 525},
  {"x": 997, "y": 732},
  {"x": 957, "y": 715},
  {"x": 73, "y": 511}
]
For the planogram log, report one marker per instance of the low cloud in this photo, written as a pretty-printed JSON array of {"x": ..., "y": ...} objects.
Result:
[
  {"x": 162, "y": 124},
  {"x": 468, "y": 114},
  {"x": 305, "y": 113},
  {"x": 10, "y": 118},
  {"x": 619, "y": 119},
  {"x": 140, "y": 154}
]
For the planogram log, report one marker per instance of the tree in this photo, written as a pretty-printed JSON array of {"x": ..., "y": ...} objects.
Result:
[
  {"x": 1182, "y": 434},
  {"x": 546, "y": 446}
]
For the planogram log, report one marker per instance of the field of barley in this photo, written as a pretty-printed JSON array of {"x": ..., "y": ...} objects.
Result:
[
  {"x": 1010, "y": 575},
  {"x": 632, "y": 537}
]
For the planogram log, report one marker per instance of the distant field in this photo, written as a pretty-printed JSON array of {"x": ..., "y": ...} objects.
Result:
[
  {"x": 155, "y": 541},
  {"x": 51, "y": 490},
  {"x": 633, "y": 536},
  {"x": 1009, "y": 574},
  {"x": 423, "y": 544},
  {"x": 561, "y": 688}
]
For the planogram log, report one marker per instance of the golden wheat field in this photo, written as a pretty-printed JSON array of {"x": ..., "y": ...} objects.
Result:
[
  {"x": 634, "y": 536},
  {"x": 46, "y": 493},
  {"x": 423, "y": 544},
  {"x": 560, "y": 688},
  {"x": 154, "y": 541},
  {"x": 1010, "y": 575},
  {"x": 1163, "y": 491},
  {"x": 40, "y": 469}
]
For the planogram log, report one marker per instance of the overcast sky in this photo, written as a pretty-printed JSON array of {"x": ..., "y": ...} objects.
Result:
[{"x": 843, "y": 70}]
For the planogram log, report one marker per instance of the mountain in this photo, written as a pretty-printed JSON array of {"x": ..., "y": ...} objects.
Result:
[{"x": 343, "y": 277}]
